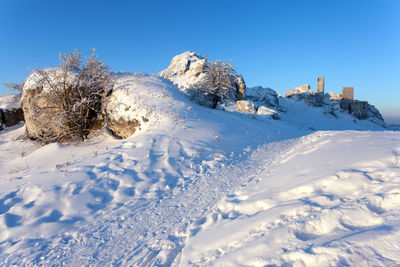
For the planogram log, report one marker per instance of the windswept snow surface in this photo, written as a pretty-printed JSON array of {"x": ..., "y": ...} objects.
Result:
[
  {"x": 203, "y": 187},
  {"x": 332, "y": 199}
]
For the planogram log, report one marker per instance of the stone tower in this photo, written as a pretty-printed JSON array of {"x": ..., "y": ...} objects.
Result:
[
  {"x": 348, "y": 93},
  {"x": 321, "y": 84}
]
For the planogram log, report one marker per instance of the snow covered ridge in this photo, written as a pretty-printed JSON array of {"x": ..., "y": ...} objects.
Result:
[{"x": 185, "y": 71}]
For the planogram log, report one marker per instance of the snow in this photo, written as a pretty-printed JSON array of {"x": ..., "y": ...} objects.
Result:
[
  {"x": 321, "y": 205},
  {"x": 203, "y": 187}
]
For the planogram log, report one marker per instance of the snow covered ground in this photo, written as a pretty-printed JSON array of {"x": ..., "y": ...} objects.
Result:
[
  {"x": 332, "y": 199},
  {"x": 205, "y": 187}
]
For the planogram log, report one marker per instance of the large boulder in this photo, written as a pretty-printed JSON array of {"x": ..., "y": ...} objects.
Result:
[
  {"x": 44, "y": 114},
  {"x": 188, "y": 70}
]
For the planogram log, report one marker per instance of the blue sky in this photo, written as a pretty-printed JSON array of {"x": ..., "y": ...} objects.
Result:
[{"x": 279, "y": 44}]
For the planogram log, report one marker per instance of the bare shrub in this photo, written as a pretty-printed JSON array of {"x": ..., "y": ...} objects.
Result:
[
  {"x": 15, "y": 87},
  {"x": 73, "y": 95},
  {"x": 219, "y": 84}
]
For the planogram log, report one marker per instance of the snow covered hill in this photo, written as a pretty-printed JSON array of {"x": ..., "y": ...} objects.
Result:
[{"x": 199, "y": 186}]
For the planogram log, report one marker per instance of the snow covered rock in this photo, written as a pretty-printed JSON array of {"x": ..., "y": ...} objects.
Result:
[
  {"x": 267, "y": 112},
  {"x": 303, "y": 93},
  {"x": 246, "y": 106},
  {"x": 41, "y": 113},
  {"x": 188, "y": 70},
  {"x": 139, "y": 101},
  {"x": 43, "y": 105},
  {"x": 334, "y": 96},
  {"x": 185, "y": 70},
  {"x": 10, "y": 110},
  {"x": 266, "y": 95}
]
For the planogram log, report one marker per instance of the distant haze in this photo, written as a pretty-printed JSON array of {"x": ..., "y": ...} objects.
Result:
[{"x": 392, "y": 120}]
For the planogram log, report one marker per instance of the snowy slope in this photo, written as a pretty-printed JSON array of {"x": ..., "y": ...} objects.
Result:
[
  {"x": 153, "y": 198},
  {"x": 332, "y": 200}
]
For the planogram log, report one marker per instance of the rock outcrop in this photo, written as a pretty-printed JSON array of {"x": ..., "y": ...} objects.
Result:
[{"x": 188, "y": 70}]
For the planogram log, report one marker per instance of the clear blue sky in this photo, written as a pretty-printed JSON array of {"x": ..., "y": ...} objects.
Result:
[{"x": 279, "y": 44}]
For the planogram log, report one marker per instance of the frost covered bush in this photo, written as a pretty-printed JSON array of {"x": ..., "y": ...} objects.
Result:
[
  {"x": 220, "y": 84},
  {"x": 63, "y": 104}
]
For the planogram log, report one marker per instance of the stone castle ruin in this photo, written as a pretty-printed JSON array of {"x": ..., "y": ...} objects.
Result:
[
  {"x": 346, "y": 101},
  {"x": 356, "y": 107}
]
